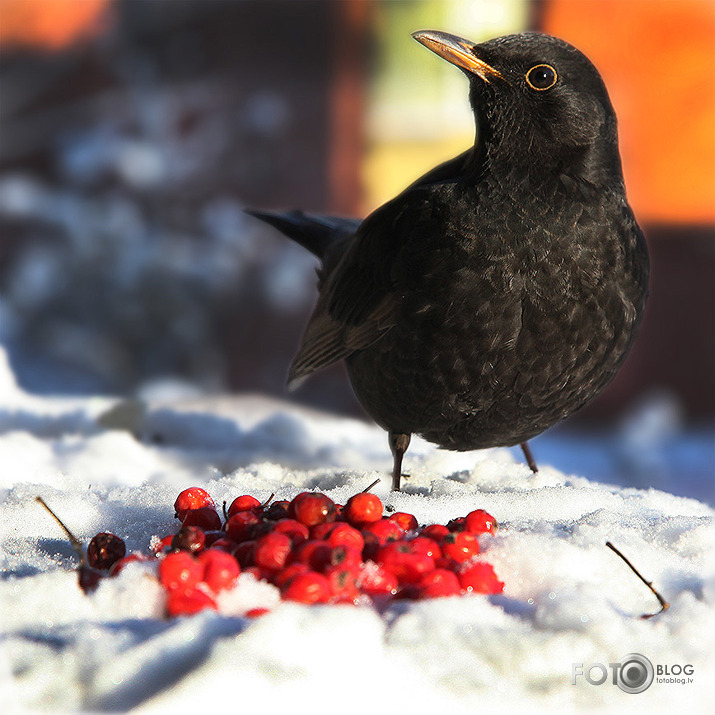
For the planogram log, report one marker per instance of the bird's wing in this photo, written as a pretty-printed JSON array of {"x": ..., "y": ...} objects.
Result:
[{"x": 358, "y": 302}]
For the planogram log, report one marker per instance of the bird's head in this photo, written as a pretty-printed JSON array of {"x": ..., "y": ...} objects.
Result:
[{"x": 536, "y": 99}]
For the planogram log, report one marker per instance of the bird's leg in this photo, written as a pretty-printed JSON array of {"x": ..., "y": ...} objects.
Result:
[
  {"x": 399, "y": 442},
  {"x": 529, "y": 457}
]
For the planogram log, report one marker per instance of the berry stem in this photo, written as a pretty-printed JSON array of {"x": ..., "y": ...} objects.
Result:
[
  {"x": 664, "y": 605},
  {"x": 76, "y": 544},
  {"x": 370, "y": 486},
  {"x": 268, "y": 501}
]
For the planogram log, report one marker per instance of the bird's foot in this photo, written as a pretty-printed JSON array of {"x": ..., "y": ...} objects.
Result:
[
  {"x": 399, "y": 442},
  {"x": 529, "y": 457}
]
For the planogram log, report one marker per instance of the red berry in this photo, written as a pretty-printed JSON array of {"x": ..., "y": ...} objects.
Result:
[
  {"x": 460, "y": 546},
  {"x": 294, "y": 530},
  {"x": 104, "y": 550},
  {"x": 343, "y": 534},
  {"x": 320, "y": 532},
  {"x": 220, "y": 569},
  {"x": 317, "y": 554},
  {"x": 378, "y": 534},
  {"x": 406, "y": 522},
  {"x": 184, "y": 602},
  {"x": 384, "y": 529},
  {"x": 262, "y": 528},
  {"x": 363, "y": 508},
  {"x": 376, "y": 580},
  {"x": 193, "y": 498},
  {"x": 213, "y": 536},
  {"x": 258, "y": 573},
  {"x": 257, "y": 612},
  {"x": 435, "y": 531},
  {"x": 89, "y": 578},
  {"x": 243, "y": 553},
  {"x": 222, "y": 543},
  {"x": 447, "y": 563},
  {"x": 205, "y": 518},
  {"x": 343, "y": 584},
  {"x": 240, "y": 526},
  {"x": 312, "y": 508},
  {"x": 282, "y": 577},
  {"x": 276, "y": 510},
  {"x": 438, "y": 583},
  {"x": 346, "y": 557},
  {"x": 479, "y": 577},
  {"x": 406, "y": 564},
  {"x": 309, "y": 587},
  {"x": 119, "y": 565},
  {"x": 425, "y": 545},
  {"x": 180, "y": 569},
  {"x": 243, "y": 503},
  {"x": 189, "y": 538},
  {"x": 480, "y": 522},
  {"x": 158, "y": 545},
  {"x": 456, "y": 524},
  {"x": 272, "y": 551}
]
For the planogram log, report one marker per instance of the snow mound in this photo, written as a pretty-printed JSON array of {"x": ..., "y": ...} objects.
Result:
[{"x": 103, "y": 465}]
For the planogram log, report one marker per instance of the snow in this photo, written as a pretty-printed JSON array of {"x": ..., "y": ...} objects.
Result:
[{"x": 109, "y": 465}]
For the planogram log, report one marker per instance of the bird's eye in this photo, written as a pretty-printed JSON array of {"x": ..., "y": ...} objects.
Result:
[{"x": 541, "y": 77}]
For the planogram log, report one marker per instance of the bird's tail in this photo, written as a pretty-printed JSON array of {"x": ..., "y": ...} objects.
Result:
[{"x": 316, "y": 233}]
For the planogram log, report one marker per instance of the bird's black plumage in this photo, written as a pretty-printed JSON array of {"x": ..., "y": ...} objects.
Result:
[{"x": 502, "y": 290}]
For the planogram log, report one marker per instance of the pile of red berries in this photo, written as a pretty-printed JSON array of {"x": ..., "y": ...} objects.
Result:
[{"x": 312, "y": 550}]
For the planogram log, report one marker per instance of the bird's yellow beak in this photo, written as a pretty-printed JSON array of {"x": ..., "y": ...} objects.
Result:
[{"x": 457, "y": 51}]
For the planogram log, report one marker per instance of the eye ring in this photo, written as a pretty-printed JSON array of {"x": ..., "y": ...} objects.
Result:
[{"x": 541, "y": 77}]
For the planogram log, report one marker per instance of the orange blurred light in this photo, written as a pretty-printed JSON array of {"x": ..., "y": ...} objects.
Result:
[
  {"x": 49, "y": 24},
  {"x": 658, "y": 61}
]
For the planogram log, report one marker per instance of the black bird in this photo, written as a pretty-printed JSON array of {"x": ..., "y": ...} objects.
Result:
[{"x": 502, "y": 290}]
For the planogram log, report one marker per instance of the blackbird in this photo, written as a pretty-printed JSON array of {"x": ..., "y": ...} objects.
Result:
[{"x": 502, "y": 290}]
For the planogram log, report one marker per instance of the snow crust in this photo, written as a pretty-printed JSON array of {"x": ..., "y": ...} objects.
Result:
[{"x": 105, "y": 465}]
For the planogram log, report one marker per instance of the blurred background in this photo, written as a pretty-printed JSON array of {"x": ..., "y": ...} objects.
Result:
[{"x": 133, "y": 132}]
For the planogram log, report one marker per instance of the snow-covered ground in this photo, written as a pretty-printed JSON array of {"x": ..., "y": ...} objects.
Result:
[{"x": 568, "y": 600}]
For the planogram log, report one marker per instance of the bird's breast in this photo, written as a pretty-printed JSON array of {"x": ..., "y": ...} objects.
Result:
[{"x": 506, "y": 325}]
